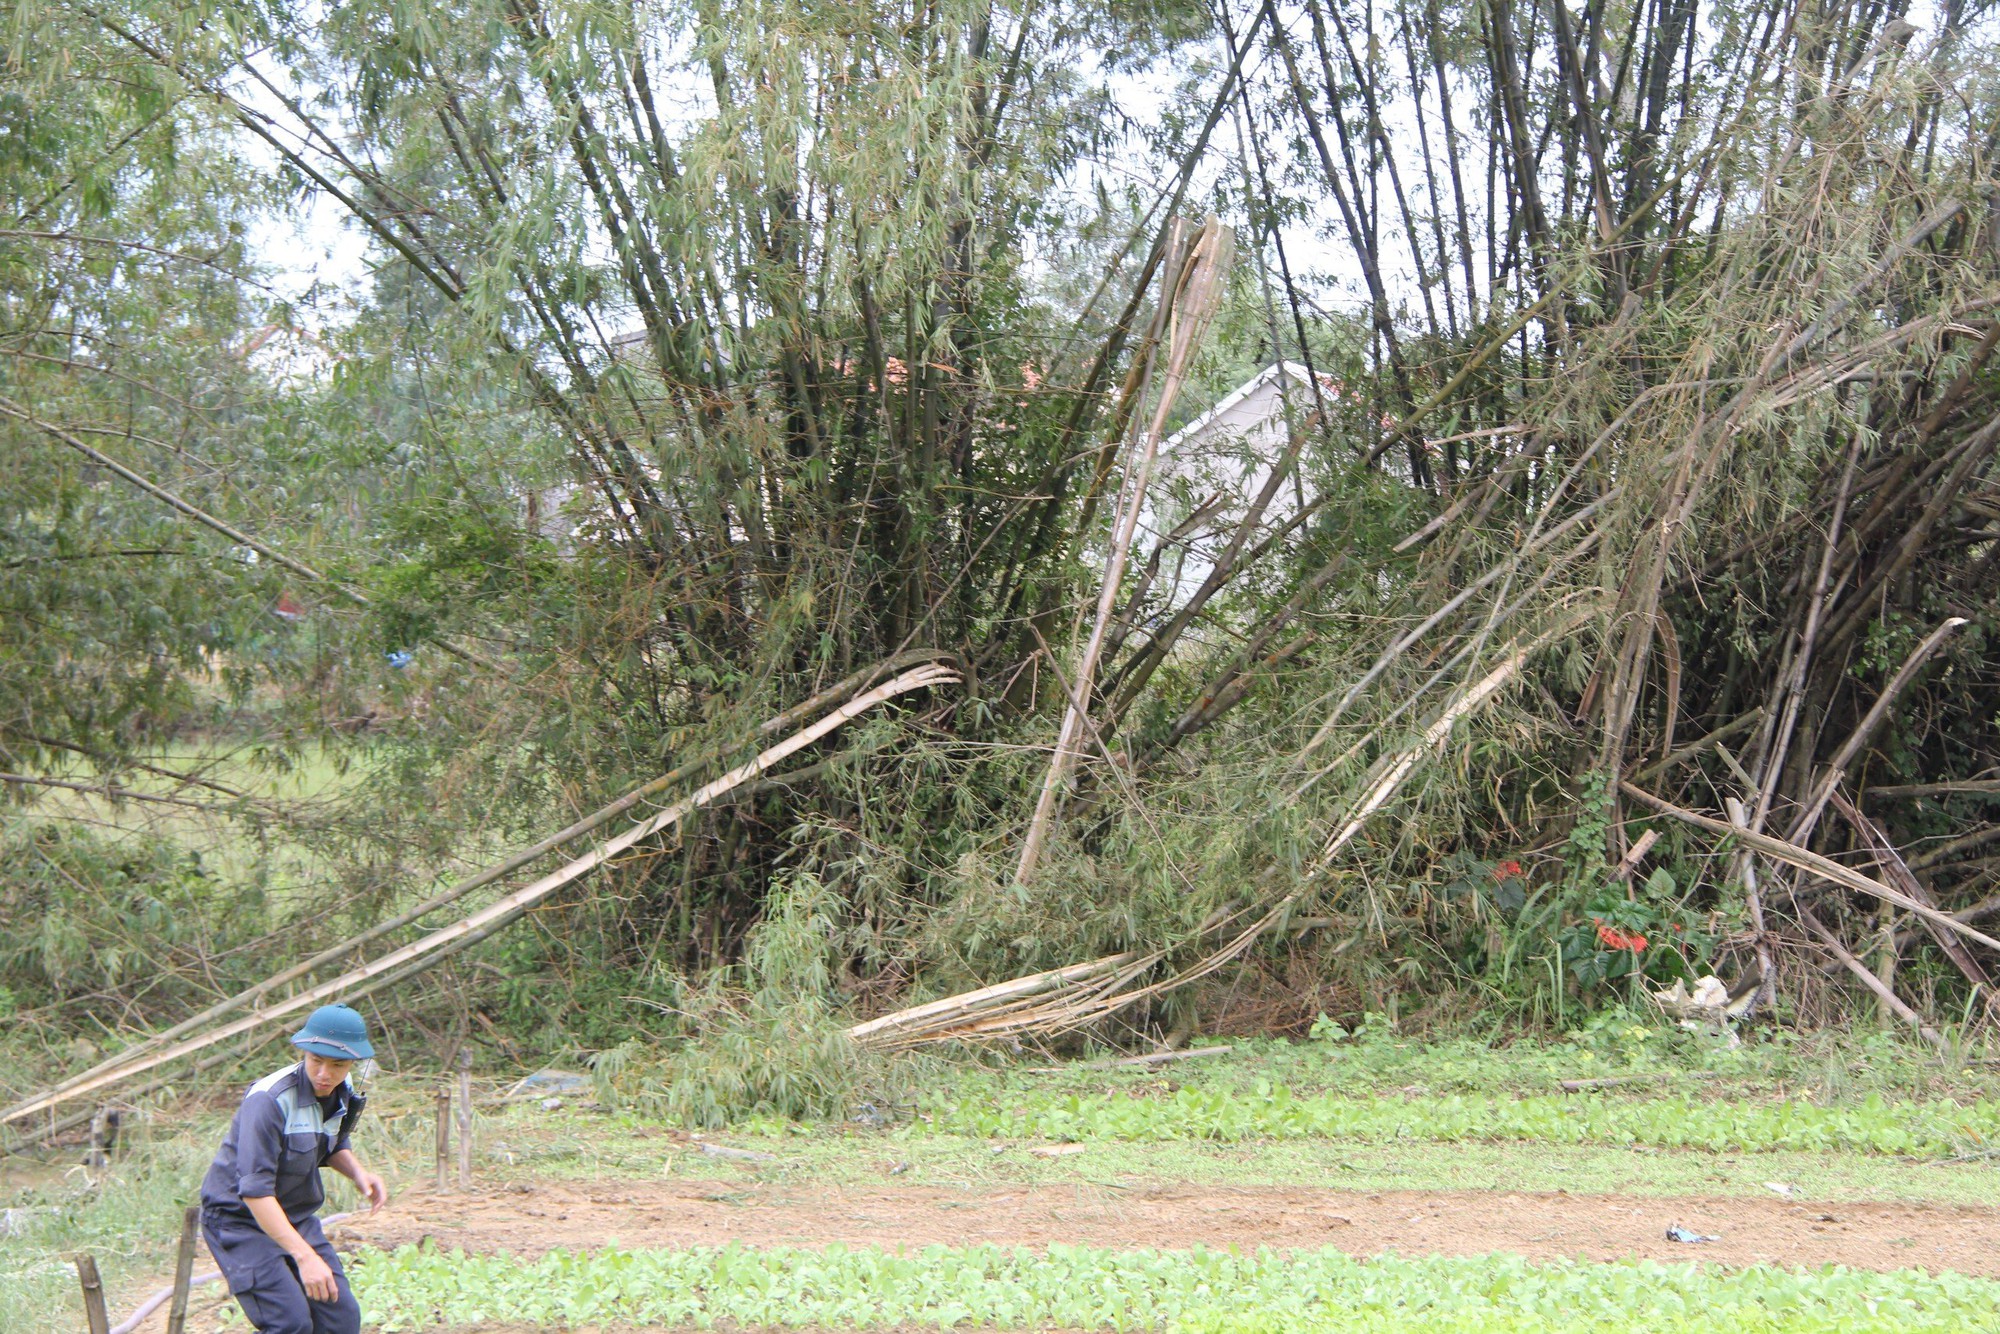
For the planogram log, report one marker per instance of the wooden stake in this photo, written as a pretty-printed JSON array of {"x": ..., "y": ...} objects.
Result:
[
  {"x": 465, "y": 1120},
  {"x": 443, "y": 1135},
  {"x": 93, "y": 1294},
  {"x": 97, "y": 1156},
  {"x": 177, "y": 1306}
]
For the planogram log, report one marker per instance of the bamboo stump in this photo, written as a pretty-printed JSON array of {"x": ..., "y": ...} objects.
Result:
[
  {"x": 465, "y": 1120},
  {"x": 443, "y": 1135},
  {"x": 183, "y": 1271},
  {"x": 93, "y": 1294}
]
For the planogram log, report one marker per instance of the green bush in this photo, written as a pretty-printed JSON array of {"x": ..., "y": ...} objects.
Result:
[
  {"x": 764, "y": 1037},
  {"x": 134, "y": 918}
]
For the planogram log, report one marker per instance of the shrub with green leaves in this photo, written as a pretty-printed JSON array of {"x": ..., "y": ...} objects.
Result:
[
  {"x": 761, "y": 1038},
  {"x": 88, "y": 916}
]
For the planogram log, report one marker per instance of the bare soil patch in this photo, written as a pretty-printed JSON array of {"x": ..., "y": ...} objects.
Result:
[{"x": 533, "y": 1217}]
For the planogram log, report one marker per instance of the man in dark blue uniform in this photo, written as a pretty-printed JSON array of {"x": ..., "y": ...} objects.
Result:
[{"x": 260, "y": 1199}]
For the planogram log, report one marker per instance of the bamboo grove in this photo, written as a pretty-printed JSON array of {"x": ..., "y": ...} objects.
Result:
[{"x": 1629, "y": 560}]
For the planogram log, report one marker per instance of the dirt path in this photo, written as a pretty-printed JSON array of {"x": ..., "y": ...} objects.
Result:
[{"x": 530, "y": 1219}]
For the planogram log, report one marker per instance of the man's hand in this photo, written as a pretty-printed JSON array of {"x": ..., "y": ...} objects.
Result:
[
  {"x": 315, "y": 1274},
  {"x": 364, "y": 1180},
  {"x": 316, "y": 1277},
  {"x": 373, "y": 1187}
]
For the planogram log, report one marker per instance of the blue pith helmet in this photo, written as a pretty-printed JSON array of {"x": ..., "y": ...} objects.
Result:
[{"x": 335, "y": 1032}]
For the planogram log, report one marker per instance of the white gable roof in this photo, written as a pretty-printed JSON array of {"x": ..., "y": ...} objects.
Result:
[{"x": 1254, "y": 408}]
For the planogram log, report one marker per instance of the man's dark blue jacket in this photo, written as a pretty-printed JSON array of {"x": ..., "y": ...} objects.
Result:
[{"x": 279, "y": 1139}]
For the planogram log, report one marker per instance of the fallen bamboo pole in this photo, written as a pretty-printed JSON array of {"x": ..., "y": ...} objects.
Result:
[
  {"x": 1777, "y": 849},
  {"x": 886, "y": 1027},
  {"x": 504, "y": 909},
  {"x": 527, "y": 856},
  {"x": 1024, "y": 1004},
  {"x": 1868, "y": 979}
]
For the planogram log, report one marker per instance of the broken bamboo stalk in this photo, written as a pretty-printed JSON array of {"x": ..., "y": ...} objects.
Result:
[
  {"x": 508, "y": 907},
  {"x": 1803, "y": 859},
  {"x": 1629, "y": 864},
  {"x": 1900, "y": 875},
  {"x": 527, "y": 856},
  {"x": 1868, "y": 979},
  {"x": 1194, "y": 293}
]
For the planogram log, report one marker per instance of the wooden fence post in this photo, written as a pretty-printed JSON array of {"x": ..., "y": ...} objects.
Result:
[
  {"x": 464, "y": 1120},
  {"x": 93, "y": 1294},
  {"x": 443, "y": 1134},
  {"x": 177, "y": 1307}
]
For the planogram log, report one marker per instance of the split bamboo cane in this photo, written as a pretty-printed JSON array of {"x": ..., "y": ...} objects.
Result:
[{"x": 504, "y": 909}]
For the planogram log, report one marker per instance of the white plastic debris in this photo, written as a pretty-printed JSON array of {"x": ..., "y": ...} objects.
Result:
[{"x": 1709, "y": 1000}]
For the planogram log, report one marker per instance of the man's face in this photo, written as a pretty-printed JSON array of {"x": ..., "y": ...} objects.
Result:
[{"x": 325, "y": 1073}]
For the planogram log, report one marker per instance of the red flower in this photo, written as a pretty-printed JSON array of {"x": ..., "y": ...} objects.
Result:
[
  {"x": 1508, "y": 870},
  {"x": 1614, "y": 939}
]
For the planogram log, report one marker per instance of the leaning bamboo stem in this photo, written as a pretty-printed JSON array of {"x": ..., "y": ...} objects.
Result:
[
  {"x": 1791, "y": 854},
  {"x": 12, "y": 409},
  {"x": 1836, "y": 769},
  {"x": 1875, "y": 984},
  {"x": 498, "y": 871},
  {"x": 503, "y": 909},
  {"x": 1191, "y": 301},
  {"x": 1392, "y": 777}
]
